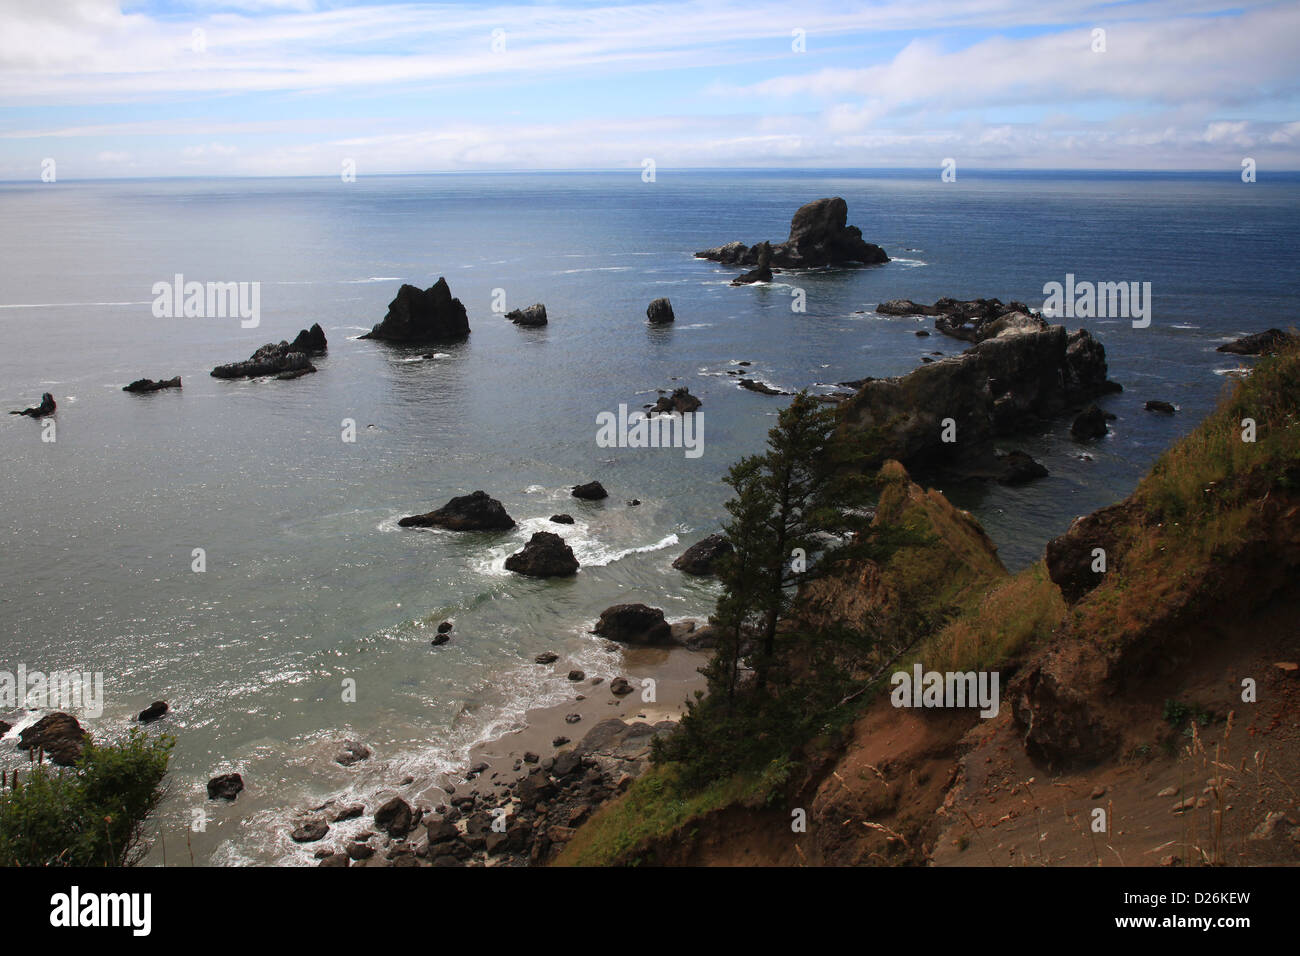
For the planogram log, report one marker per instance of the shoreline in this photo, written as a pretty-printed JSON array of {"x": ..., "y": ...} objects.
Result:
[{"x": 518, "y": 770}]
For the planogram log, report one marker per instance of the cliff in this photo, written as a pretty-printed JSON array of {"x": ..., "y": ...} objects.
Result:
[{"x": 1150, "y": 719}]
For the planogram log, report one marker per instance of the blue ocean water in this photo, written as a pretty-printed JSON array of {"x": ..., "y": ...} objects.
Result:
[{"x": 310, "y": 582}]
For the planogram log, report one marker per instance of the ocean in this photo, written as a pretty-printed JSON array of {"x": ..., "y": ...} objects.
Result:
[{"x": 309, "y": 583}]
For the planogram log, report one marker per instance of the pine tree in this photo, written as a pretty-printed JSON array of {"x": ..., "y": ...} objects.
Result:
[
  {"x": 815, "y": 497},
  {"x": 795, "y": 514}
]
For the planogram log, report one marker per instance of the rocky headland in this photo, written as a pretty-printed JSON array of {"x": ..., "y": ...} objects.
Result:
[
  {"x": 947, "y": 413},
  {"x": 1122, "y": 686}
]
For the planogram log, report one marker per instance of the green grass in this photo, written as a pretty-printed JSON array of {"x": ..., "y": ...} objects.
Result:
[
  {"x": 656, "y": 806},
  {"x": 1015, "y": 615}
]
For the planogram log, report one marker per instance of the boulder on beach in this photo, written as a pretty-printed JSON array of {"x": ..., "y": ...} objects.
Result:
[
  {"x": 633, "y": 624},
  {"x": 701, "y": 558},
  {"x": 46, "y": 407},
  {"x": 394, "y": 818},
  {"x": 58, "y": 735},
  {"x": 819, "y": 236},
  {"x": 562, "y": 519},
  {"x": 591, "y": 491},
  {"x": 1259, "y": 343},
  {"x": 309, "y": 831},
  {"x": 660, "y": 312},
  {"x": 155, "y": 711},
  {"x": 150, "y": 385},
  {"x": 477, "y": 511},
  {"x": 544, "y": 556},
  {"x": 681, "y": 400},
  {"x": 429, "y": 315},
  {"x": 533, "y": 316},
  {"x": 226, "y": 786}
]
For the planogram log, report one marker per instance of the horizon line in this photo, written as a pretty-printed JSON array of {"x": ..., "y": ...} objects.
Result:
[{"x": 1234, "y": 171}]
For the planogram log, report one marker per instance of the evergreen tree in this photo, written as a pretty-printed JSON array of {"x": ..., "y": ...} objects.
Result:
[{"x": 795, "y": 514}]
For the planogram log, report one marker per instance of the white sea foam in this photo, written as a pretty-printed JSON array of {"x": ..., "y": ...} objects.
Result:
[
  {"x": 587, "y": 547},
  {"x": 265, "y": 834}
]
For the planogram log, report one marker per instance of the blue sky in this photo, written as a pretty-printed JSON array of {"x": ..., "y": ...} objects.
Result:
[{"x": 296, "y": 87}]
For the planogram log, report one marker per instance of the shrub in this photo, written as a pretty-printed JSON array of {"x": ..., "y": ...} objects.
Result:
[{"x": 92, "y": 815}]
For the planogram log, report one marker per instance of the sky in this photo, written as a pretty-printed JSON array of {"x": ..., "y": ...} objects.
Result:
[{"x": 116, "y": 88}]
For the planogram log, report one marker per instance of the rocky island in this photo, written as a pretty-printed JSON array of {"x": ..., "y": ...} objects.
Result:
[
  {"x": 819, "y": 237},
  {"x": 283, "y": 360},
  {"x": 418, "y": 316}
]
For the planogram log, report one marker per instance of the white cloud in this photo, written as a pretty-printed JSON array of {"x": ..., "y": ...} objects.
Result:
[{"x": 1175, "y": 88}]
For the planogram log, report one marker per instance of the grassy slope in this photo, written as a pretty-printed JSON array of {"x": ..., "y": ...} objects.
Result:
[{"x": 1199, "y": 503}]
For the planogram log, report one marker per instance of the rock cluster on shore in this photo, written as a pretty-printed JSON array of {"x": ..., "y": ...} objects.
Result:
[
  {"x": 525, "y": 822},
  {"x": 819, "y": 236},
  {"x": 417, "y": 316}
]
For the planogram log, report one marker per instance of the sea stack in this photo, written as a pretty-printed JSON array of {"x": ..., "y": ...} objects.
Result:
[
  {"x": 282, "y": 359},
  {"x": 660, "y": 312},
  {"x": 819, "y": 236},
  {"x": 416, "y": 316},
  {"x": 46, "y": 407}
]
